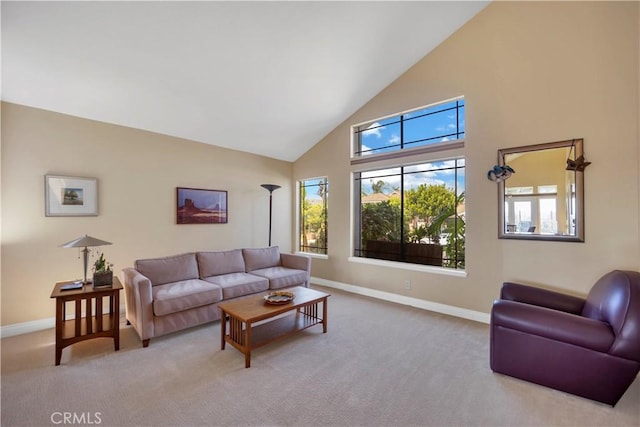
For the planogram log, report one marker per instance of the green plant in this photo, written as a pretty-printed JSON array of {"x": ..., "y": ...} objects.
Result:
[{"x": 101, "y": 265}]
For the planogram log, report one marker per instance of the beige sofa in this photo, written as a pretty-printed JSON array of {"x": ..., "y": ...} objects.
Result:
[{"x": 164, "y": 295}]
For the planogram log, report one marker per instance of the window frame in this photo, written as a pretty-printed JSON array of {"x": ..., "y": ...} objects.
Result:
[
  {"x": 299, "y": 215},
  {"x": 411, "y": 151},
  {"x": 402, "y": 174},
  {"x": 446, "y": 150}
]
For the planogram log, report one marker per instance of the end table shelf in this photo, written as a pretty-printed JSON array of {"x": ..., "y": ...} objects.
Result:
[{"x": 99, "y": 321}]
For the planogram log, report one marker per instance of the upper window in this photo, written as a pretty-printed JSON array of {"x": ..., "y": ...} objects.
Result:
[
  {"x": 422, "y": 127},
  {"x": 313, "y": 215}
]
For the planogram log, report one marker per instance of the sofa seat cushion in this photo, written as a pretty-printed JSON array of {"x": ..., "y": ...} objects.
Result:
[
  {"x": 178, "y": 296},
  {"x": 282, "y": 277},
  {"x": 239, "y": 284}
]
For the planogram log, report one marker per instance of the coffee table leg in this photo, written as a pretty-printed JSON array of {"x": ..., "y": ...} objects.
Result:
[
  {"x": 247, "y": 347},
  {"x": 223, "y": 328},
  {"x": 324, "y": 315}
]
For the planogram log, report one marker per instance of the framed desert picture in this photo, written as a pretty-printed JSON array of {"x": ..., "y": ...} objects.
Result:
[
  {"x": 70, "y": 196},
  {"x": 198, "y": 206}
]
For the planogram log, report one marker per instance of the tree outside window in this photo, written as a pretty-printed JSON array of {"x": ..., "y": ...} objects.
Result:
[
  {"x": 313, "y": 215},
  {"x": 413, "y": 214}
]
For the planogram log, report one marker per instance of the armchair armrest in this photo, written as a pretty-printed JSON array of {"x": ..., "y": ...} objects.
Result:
[
  {"x": 139, "y": 302},
  {"x": 552, "y": 324},
  {"x": 541, "y": 297}
]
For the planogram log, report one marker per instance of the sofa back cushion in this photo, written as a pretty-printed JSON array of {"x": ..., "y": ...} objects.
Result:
[
  {"x": 169, "y": 269},
  {"x": 255, "y": 259},
  {"x": 219, "y": 263}
]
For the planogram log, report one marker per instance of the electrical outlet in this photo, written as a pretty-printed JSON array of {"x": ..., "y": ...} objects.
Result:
[{"x": 407, "y": 284}]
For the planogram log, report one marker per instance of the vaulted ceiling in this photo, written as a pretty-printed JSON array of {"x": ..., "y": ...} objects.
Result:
[{"x": 271, "y": 78}]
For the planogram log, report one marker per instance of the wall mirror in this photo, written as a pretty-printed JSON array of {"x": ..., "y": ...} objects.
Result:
[{"x": 544, "y": 198}]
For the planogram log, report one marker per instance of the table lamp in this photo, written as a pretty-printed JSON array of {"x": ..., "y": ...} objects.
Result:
[{"x": 85, "y": 242}]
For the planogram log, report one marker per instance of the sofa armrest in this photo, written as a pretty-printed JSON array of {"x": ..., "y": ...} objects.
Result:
[
  {"x": 552, "y": 324},
  {"x": 299, "y": 262},
  {"x": 541, "y": 297},
  {"x": 139, "y": 302}
]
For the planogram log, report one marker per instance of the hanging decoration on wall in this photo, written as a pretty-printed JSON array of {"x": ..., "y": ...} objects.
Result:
[
  {"x": 500, "y": 173},
  {"x": 579, "y": 164}
]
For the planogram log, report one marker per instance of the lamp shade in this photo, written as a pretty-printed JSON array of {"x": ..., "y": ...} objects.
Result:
[
  {"x": 270, "y": 187},
  {"x": 85, "y": 241}
]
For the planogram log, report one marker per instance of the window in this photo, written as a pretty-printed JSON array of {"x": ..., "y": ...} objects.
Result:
[
  {"x": 418, "y": 128},
  {"x": 412, "y": 214},
  {"x": 527, "y": 211},
  {"x": 413, "y": 211},
  {"x": 313, "y": 215}
]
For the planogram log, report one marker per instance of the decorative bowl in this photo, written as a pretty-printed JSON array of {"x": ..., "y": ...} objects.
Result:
[{"x": 279, "y": 297}]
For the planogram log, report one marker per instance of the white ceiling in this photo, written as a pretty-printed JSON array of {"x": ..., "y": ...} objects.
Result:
[{"x": 271, "y": 78}]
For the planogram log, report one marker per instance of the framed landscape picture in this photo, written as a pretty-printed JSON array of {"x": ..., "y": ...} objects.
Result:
[
  {"x": 199, "y": 206},
  {"x": 70, "y": 196}
]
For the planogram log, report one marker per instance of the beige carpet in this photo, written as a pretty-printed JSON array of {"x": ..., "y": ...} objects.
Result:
[{"x": 380, "y": 364}]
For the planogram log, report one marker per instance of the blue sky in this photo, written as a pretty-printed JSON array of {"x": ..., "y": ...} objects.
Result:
[
  {"x": 430, "y": 123},
  {"x": 431, "y": 173},
  {"x": 438, "y": 126}
]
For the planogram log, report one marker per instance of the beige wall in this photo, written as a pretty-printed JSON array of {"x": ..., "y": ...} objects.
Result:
[
  {"x": 137, "y": 173},
  {"x": 531, "y": 73}
]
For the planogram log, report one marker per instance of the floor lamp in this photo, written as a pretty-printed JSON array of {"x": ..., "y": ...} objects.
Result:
[{"x": 270, "y": 188}]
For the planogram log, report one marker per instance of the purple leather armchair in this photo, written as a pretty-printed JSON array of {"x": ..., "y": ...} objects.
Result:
[{"x": 587, "y": 347}]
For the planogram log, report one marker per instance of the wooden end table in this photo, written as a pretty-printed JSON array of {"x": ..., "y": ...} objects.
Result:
[
  {"x": 244, "y": 312},
  {"x": 96, "y": 323}
]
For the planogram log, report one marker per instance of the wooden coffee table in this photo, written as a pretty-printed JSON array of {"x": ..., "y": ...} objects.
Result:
[{"x": 244, "y": 334}]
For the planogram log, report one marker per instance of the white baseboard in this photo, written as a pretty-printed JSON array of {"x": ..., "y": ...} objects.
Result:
[
  {"x": 450, "y": 310},
  {"x": 27, "y": 327},
  {"x": 35, "y": 325},
  {"x": 48, "y": 323}
]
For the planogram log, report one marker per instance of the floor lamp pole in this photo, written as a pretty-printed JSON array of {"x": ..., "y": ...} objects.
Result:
[
  {"x": 270, "y": 188},
  {"x": 270, "y": 214}
]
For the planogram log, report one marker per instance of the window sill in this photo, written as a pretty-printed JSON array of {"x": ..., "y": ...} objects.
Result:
[
  {"x": 435, "y": 148},
  {"x": 408, "y": 266},
  {"x": 312, "y": 255}
]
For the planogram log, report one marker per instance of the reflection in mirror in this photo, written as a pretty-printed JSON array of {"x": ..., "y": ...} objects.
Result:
[{"x": 542, "y": 200}]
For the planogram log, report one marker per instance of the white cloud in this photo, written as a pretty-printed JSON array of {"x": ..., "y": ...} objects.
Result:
[
  {"x": 373, "y": 129},
  {"x": 416, "y": 175}
]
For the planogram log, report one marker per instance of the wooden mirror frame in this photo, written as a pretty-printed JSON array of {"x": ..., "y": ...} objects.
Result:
[{"x": 574, "y": 150}]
